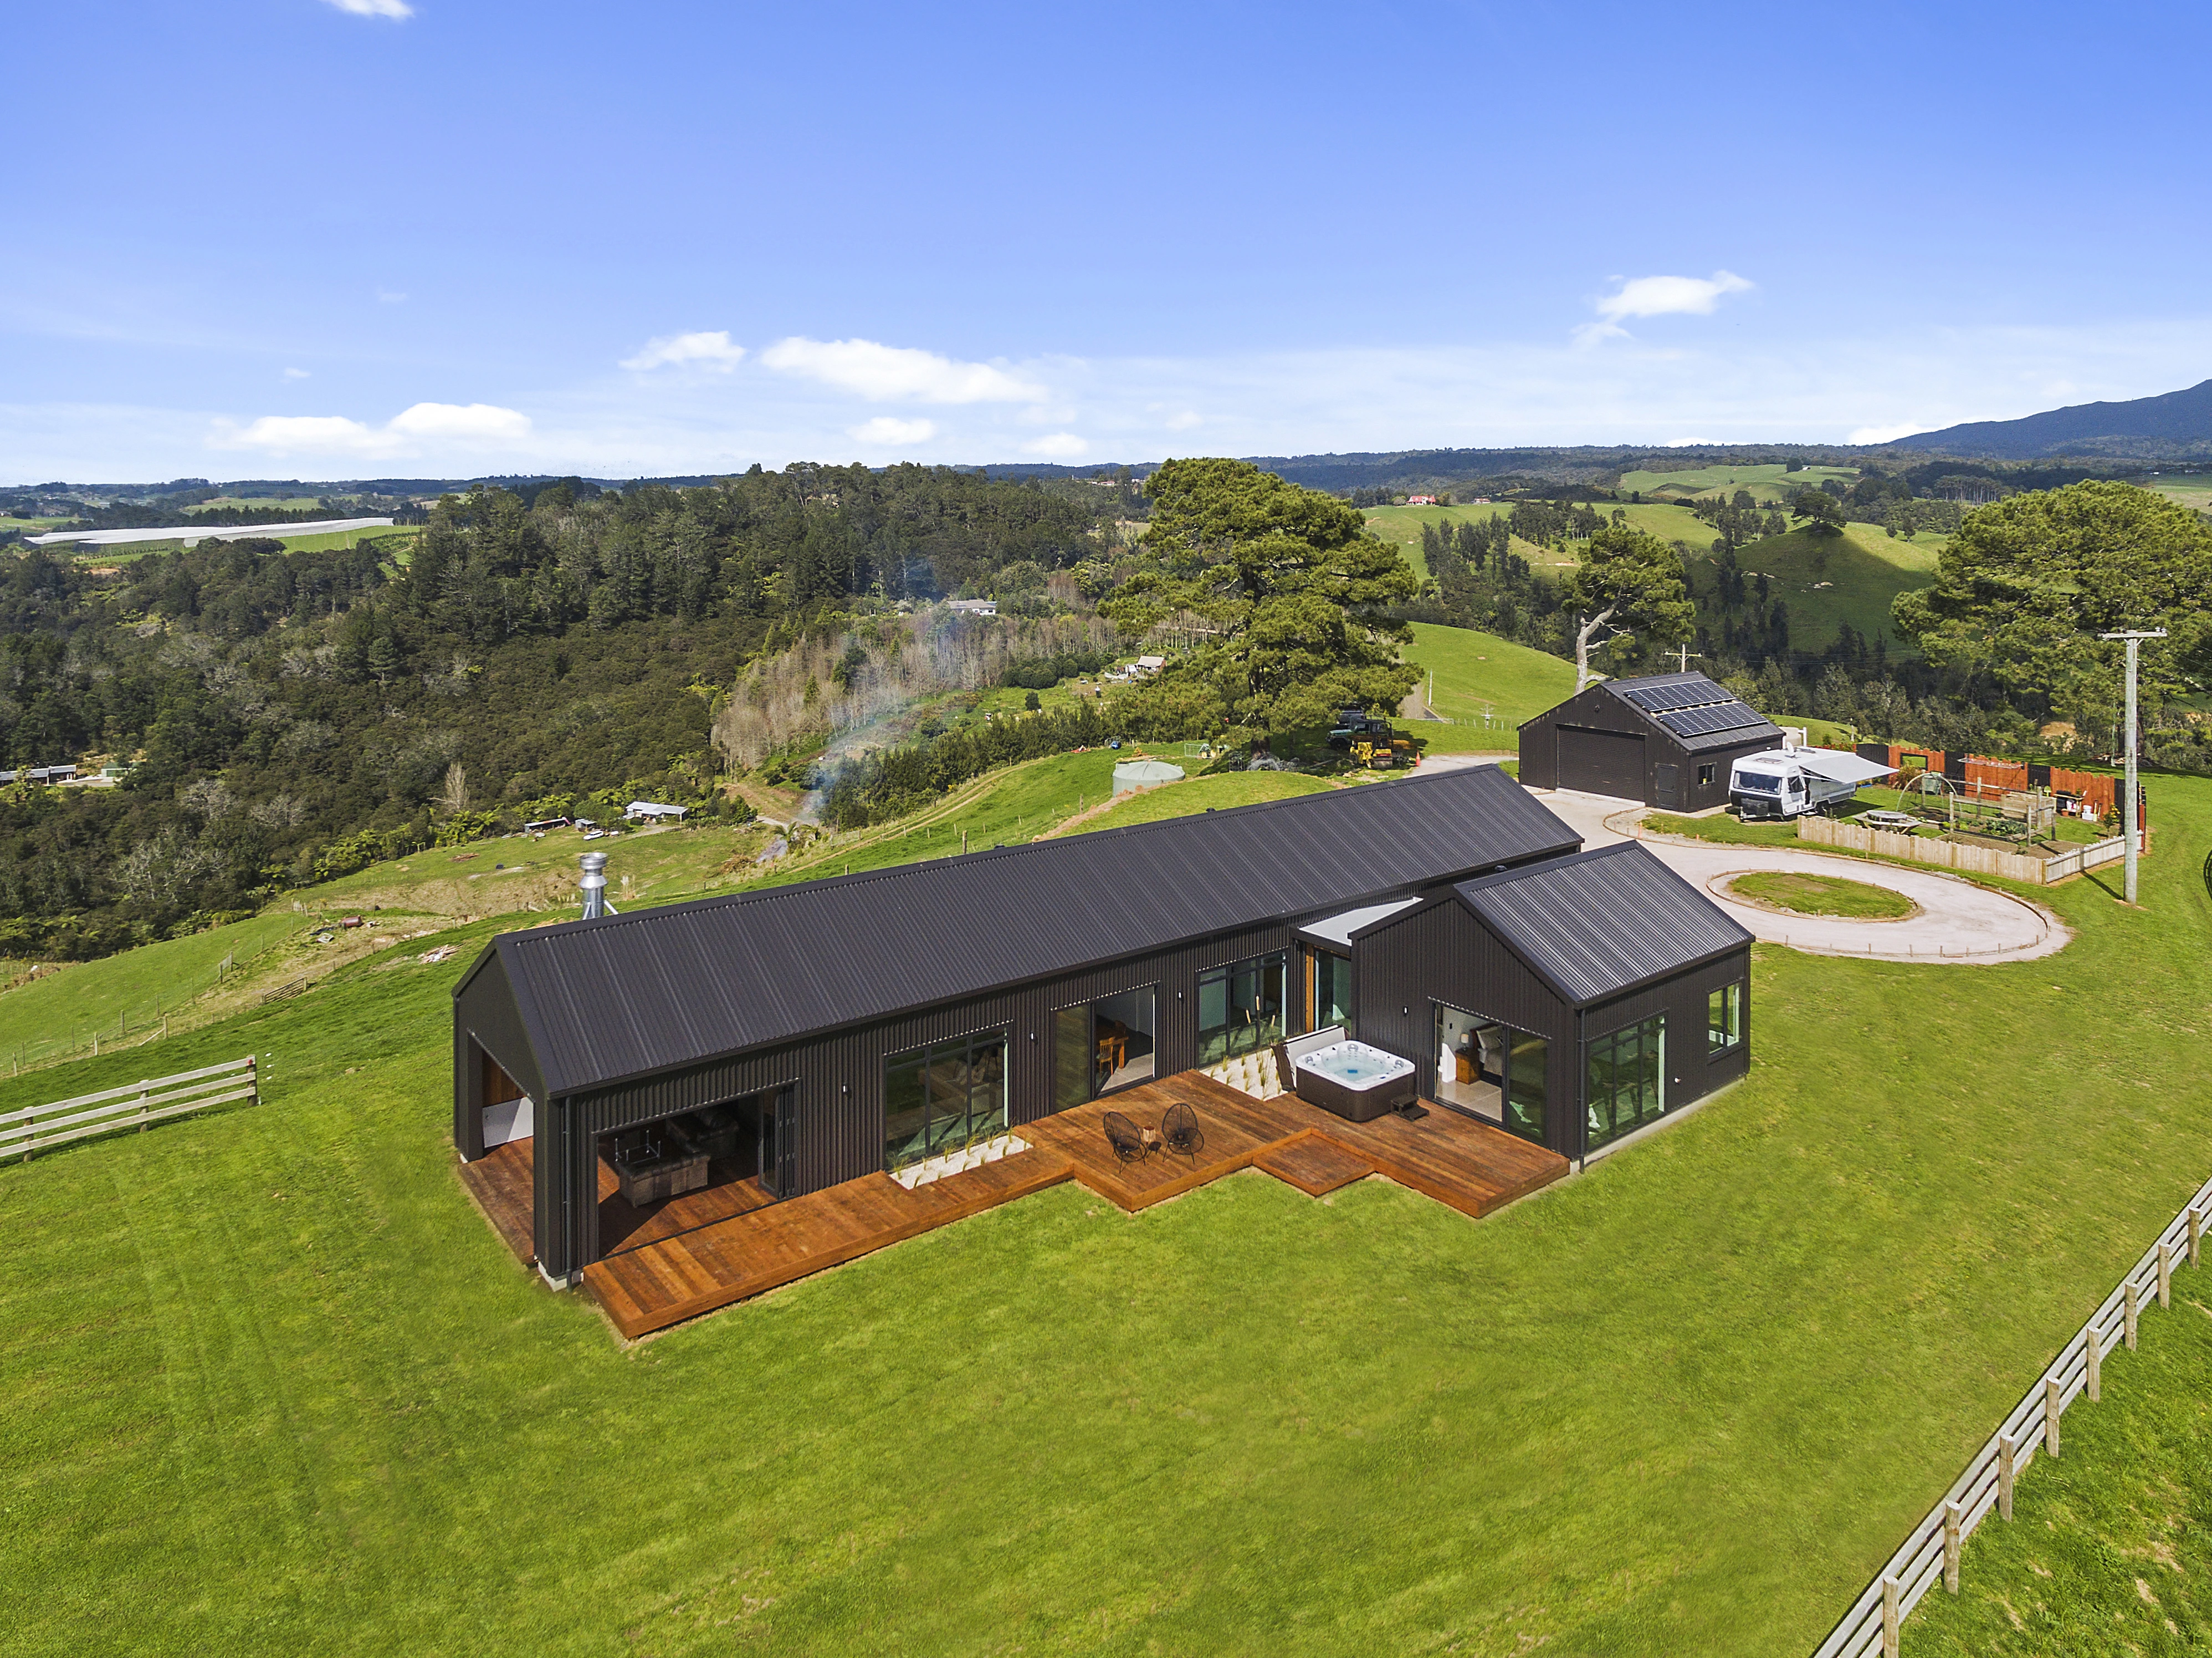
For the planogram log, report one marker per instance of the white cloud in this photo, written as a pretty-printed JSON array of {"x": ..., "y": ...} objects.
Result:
[
  {"x": 888, "y": 430},
  {"x": 1885, "y": 434},
  {"x": 708, "y": 350},
  {"x": 474, "y": 425},
  {"x": 392, "y": 8},
  {"x": 886, "y": 373},
  {"x": 389, "y": 296},
  {"x": 310, "y": 434},
  {"x": 1058, "y": 445},
  {"x": 296, "y": 373},
  {"x": 462, "y": 423},
  {"x": 1185, "y": 421},
  {"x": 1658, "y": 296}
]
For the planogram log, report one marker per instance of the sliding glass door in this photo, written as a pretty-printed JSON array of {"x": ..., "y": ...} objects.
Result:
[
  {"x": 1102, "y": 1046},
  {"x": 1492, "y": 1071}
]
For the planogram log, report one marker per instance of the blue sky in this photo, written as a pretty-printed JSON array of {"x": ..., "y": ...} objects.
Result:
[{"x": 280, "y": 238}]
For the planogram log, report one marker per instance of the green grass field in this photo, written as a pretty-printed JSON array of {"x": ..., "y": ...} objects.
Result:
[
  {"x": 1827, "y": 580},
  {"x": 2192, "y": 490},
  {"x": 2107, "y": 1554},
  {"x": 1485, "y": 686},
  {"x": 1769, "y": 485},
  {"x": 394, "y": 541},
  {"x": 273, "y": 1384},
  {"x": 1822, "y": 895},
  {"x": 1220, "y": 793}
]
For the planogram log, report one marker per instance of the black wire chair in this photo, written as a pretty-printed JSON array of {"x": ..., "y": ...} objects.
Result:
[
  {"x": 1179, "y": 1127},
  {"x": 1122, "y": 1135}
]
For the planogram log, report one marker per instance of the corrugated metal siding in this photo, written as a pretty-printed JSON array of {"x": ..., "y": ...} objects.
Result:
[
  {"x": 485, "y": 1017},
  {"x": 1691, "y": 1073},
  {"x": 1603, "y": 922},
  {"x": 1441, "y": 953},
  {"x": 614, "y": 999}
]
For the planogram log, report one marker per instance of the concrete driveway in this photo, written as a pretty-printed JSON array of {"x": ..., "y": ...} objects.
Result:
[{"x": 1958, "y": 921}]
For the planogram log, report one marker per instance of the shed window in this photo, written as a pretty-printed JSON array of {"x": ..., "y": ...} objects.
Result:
[
  {"x": 1627, "y": 1080},
  {"x": 944, "y": 1097},
  {"x": 1723, "y": 1020},
  {"x": 1704, "y": 777},
  {"x": 1240, "y": 1007}
]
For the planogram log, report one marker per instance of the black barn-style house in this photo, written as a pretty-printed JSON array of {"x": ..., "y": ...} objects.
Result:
[
  {"x": 1668, "y": 739},
  {"x": 816, "y": 1033}
]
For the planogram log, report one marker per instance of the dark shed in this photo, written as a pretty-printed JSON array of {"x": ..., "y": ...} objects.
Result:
[
  {"x": 1621, "y": 990},
  {"x": 797, "y": 994},
  {"x": 1665, "y": 739}
]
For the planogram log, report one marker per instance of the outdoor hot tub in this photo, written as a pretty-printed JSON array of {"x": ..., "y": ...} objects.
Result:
[{"x": 1354, "y": 1080}]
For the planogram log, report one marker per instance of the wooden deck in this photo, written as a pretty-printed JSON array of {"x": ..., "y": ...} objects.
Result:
[
  {"x": 706, "y": 1249},
  {"x": 648, "y": 1288},
  {"x": 502, "y": 1182},
  {"x": 660, "y": 1280}
]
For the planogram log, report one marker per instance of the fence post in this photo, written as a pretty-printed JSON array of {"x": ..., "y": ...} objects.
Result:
[
  {"x": 141, "y": 1107},
  {"x": 1889, "y": 1615},
  {"x": 2050, "y": 1409},
  {"x": 2132, "y": 1310},
  {"x": 2008, "y": 1447},
  {"x": 1952, "y": 1518},
  {"x": 2165, "y": 1275},
  {"x": 2195, "y": 1235},
  {"x": 2095, "y": 1350}
]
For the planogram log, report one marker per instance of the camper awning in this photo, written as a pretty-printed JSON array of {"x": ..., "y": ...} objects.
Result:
[{"x": 1838, "y": 767}]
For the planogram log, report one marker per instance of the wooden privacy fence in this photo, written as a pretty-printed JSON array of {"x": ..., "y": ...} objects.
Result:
[
  {"x": 1953, "y": 854},
  {"x": 36, "y": 1127},
  {"x": 1930, "y": 1554}
]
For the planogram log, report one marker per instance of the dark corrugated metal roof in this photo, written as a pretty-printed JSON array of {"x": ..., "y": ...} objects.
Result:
[
  {"x": 1697, "y": 712},
  {"x": 1603, "y": 922},
  {"x": 618, "y": 998}
]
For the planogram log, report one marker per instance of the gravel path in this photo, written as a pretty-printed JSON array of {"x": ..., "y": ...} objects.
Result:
[{"x": 1959, "y": 921}]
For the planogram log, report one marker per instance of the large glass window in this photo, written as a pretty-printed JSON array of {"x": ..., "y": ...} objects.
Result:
[
  {"x": 1723, "y": 1019},
  {"x": 1101, "y": 1046},
  {"x": 1332, "y": 990},
  {"x": 1627, "y": 1080},
  {"x": 943, "y": 1098},
  {"x": 1492, "y": 1071},
  {"x": 1240, "y": 1007}
]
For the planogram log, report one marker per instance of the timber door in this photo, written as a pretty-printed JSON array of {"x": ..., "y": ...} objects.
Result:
[
  {"x": 1666, "y": 786},
  {"x": 1602, "y": 762}
]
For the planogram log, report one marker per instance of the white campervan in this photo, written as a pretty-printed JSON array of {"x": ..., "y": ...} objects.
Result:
[{"x": 1795, "y": 778}]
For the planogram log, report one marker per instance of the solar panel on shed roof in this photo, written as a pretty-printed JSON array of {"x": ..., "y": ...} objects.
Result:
[
  {"x": 1657, "y": 699},
  {"x": 1701, "y": 722}
]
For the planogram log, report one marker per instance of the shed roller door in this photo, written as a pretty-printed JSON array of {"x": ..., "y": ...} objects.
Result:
[{"x": 1602, "y": 762}]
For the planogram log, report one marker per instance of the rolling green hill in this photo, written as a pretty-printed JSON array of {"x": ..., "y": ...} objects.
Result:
[
  {"x": 1485, "y": 686},
  {"x": 1827, "y": 580},
  {"x": 1769, "y": 485}
]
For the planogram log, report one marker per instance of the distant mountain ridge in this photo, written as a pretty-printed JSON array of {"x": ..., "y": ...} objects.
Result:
[{"x": 2173, "y": 423}]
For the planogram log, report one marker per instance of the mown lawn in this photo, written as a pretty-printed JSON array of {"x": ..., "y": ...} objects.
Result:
[
  {"x": 1822, "y": 895},
  {"x": 273, "y": 1386}
]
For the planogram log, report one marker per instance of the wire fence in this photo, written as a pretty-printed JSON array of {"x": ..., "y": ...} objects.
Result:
[{"x": 1930, "y": 1554}]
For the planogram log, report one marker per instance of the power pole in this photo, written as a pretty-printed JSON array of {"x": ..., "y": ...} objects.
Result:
[
  {"x": 1687, "y": 653},
  {"x": 2128, "y": 825}
]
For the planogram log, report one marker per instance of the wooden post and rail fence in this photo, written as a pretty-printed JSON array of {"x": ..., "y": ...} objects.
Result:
[
  {"x": 133, "y": 1105},
  {"x": 1930, "y": 1554}
]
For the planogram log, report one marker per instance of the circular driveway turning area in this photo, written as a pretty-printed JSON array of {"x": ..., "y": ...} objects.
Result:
[{"x": 1958, "y": 922}]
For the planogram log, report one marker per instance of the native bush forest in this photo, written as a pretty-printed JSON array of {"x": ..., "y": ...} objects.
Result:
[{"x": 291, "y": 717}]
